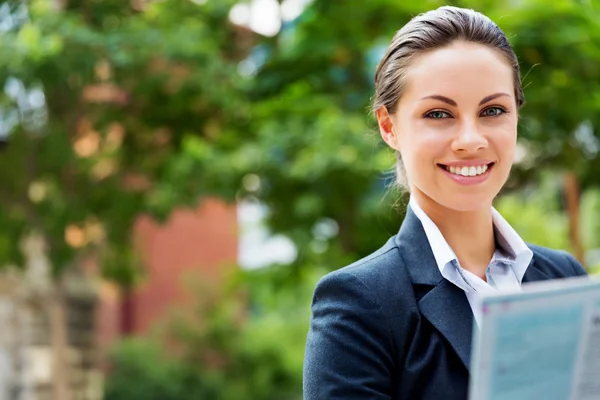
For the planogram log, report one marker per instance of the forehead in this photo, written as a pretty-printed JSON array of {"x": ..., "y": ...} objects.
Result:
[{"x": 460, "y": 70}]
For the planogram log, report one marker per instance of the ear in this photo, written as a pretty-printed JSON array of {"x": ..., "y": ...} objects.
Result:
[{"x": 386, "y": 127}]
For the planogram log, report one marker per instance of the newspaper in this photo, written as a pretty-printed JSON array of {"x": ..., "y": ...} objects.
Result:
[{"x": 542, "y": 342}]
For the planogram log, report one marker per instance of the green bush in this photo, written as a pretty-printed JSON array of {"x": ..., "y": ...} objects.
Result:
[
  {"x": 141, "y": 370},
  {"x": 249, "y": 344}
]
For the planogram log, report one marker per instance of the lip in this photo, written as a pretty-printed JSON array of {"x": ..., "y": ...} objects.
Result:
[
  {"x": 466, "y": 163},
  {"x": 468, "y": 180}
]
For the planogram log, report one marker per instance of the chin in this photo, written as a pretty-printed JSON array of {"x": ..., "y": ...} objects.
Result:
[
  {"x": 463, "y": 202},
  {"x": 467, "y": 202},
  {"x": 465, "y": 199}
]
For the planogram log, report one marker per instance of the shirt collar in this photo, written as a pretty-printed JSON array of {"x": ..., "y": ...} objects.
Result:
[
  {"x": 518, "y": 254},
  {"x": 512, "y": 243}
]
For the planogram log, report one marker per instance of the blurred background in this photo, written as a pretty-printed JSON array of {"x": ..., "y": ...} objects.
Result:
[{"x": 175, "y": 176}]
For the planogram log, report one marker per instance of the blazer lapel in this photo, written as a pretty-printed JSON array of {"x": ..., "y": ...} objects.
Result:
[
  {"x": 448, "y": 310},
  {"x": 445, "y": 305}
]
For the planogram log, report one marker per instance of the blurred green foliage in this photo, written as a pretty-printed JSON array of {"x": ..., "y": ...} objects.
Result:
[
  {"x": 112, "y": 110},
  {"x": 536, "y": 214},
  {"x": 143, "y": 110},
  {"x": 233, "y": 353},
  {"x": 98, "y": 101}
]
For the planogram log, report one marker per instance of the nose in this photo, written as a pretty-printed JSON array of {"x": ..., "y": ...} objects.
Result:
[{"x": 469, "y": 139}]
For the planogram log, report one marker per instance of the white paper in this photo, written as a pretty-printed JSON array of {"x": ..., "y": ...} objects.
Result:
[{"x": 542, "y": 342}]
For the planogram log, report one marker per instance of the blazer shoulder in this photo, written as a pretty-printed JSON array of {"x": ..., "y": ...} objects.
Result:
[
  {"x": 378, "y": 266},
  {"x": 381, "y": 275},
  {"x": 556, "y": 263}
]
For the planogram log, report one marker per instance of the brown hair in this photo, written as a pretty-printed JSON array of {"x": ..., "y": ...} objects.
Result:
[{"x": 429, "y": 31}]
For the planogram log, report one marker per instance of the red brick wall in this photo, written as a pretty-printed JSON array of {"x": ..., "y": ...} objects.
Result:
[{"x": 198, "y": 246}]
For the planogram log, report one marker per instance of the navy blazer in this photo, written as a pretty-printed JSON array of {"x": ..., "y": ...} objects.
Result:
[{"x": 391, "y": 327}]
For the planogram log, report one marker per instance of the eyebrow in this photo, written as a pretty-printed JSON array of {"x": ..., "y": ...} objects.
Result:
[
  {"x": 492, "y": 97},
  {"x": 453, "y": 103},
  {"x": 441, "y": 98}
]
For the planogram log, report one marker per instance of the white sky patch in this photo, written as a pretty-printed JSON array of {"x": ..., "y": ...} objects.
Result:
[
  {"x": 265, "y": 17},
  {"x": 247, "y": 68},
  {"x": 257, "y": 247},
  {"x": 291, "y": 9},
  {"x": 240, "y": 14},
  {"x": 36, "y": 98}
]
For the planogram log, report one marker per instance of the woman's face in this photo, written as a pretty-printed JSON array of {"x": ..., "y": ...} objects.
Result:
[{"x": 455, "y": 126}]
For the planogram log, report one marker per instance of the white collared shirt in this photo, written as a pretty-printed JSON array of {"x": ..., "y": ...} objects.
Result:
[{"x": 505, "y": 271}]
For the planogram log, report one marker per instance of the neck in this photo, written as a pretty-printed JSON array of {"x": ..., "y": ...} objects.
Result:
[{"x": 470, "y": 234}]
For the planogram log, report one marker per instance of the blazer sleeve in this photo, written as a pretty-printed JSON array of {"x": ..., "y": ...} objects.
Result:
[
  {"x": 349, "y": 351},
  {"x": 578, "y": 269}
]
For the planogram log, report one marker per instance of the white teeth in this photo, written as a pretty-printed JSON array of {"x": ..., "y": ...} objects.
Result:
[{"x": 468, "y": 171}]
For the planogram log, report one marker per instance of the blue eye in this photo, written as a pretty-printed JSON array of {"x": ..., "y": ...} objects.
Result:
[
  {"x": 493, "y": 112},
  {"x": 437, "y": 114}
]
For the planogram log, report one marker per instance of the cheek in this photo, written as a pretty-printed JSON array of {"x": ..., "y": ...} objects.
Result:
[
  {"x": 505, "y": 141},
  {"x": 419, "y": 155},
  {"x": 424, "y": 146},
  {"x": 420, "y": 144}
]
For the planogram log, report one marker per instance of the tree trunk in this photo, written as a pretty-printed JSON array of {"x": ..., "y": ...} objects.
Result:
[
  {"x": 572, "y": 200},
  {"x": 127, "y": 311}
]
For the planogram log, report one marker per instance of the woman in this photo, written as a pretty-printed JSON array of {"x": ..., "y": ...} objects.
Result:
[{"x": 397, "y": 324}]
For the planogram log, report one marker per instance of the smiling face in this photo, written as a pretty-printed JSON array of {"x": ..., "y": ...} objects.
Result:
[{"x": 455, "y": 126}]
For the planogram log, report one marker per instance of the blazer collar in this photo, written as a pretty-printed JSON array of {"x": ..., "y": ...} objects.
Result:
[
  {"x": 445, "y": 305},
  {"x": 416, "y": 251},
  {"x": 533, "y": 273}
]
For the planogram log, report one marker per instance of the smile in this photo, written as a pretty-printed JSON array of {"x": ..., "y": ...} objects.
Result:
[
  {"x": 468, "y": 171},
  {"x": 468, "y": 174}
]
